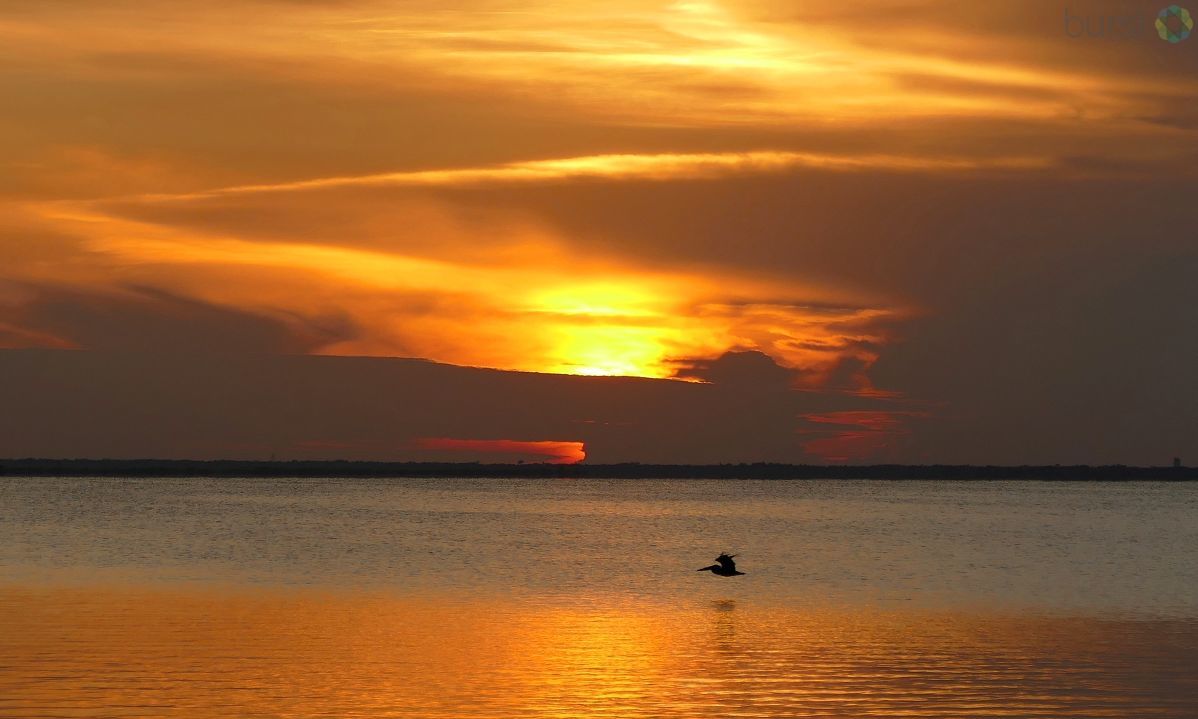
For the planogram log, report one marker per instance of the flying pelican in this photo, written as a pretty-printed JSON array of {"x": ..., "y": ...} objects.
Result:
[{"x": 724, "y": 566}]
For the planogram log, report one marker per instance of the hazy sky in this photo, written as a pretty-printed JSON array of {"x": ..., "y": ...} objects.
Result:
[{"x": 902, "y": 230}]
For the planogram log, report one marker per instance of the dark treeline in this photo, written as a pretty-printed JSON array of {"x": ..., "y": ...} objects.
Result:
[{"x": 345, "y": 468}]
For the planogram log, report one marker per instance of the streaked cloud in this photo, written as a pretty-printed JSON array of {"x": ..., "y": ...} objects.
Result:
[
  {"x": 661, "y": 167},
  {"x": 633, "y": 187}
]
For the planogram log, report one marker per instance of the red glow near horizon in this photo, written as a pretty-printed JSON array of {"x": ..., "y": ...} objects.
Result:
[
  {"x": 855, "y": 435},
  {"x": 876, "y": 421},
  {"x": 553, "y": 452}
]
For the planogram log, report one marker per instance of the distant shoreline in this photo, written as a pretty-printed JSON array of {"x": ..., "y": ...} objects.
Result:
[{"x": 365, "y": 469}]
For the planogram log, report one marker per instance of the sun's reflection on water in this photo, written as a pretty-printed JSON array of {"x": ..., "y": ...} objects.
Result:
[{"x": 189, "y": 652}]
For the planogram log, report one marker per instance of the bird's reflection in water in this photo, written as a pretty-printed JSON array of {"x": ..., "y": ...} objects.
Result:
[{"x": 725, "y": 627}]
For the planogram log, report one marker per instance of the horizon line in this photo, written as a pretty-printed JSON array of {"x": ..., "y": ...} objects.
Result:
[{"x": 356, "y": 468}]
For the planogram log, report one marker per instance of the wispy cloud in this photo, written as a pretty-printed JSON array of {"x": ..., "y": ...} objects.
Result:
[
  {"x": 662, "y": 167},
  {"x": 599, "y": 188}
]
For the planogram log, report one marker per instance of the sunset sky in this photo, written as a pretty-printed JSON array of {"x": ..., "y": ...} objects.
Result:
[{"x": 903, "y": 230}]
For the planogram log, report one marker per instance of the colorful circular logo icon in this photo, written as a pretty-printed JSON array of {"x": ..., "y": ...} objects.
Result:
[{"x": 1174, "y": 23}]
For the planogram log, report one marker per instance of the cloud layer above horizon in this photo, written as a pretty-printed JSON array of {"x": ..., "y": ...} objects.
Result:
[{"x": 976, "y": 221}]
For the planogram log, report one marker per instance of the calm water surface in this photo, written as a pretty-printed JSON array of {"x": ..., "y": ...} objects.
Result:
[{"x": 569, "y": 598}]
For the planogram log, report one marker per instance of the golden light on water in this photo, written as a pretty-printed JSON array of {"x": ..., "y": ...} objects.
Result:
[
  {"x": 780, "y": 202},
  {"x": 217, "y": 653}
]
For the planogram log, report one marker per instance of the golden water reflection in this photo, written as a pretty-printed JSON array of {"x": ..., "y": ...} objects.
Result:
[{"x": 181, "y": 652}]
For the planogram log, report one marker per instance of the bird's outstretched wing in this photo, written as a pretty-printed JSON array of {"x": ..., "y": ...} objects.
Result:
[{"x": 726, "y": 562}]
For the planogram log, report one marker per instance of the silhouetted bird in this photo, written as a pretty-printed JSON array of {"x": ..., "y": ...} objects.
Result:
[{"x": 724, "y": 567}]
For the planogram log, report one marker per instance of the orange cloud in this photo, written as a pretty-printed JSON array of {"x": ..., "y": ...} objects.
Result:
[
  {"x": 296, "y": 162},
  {"x": 519, "y": 301}
]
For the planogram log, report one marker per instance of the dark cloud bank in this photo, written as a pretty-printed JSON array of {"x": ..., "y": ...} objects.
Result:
[{"x": 121, "y": 404}]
